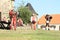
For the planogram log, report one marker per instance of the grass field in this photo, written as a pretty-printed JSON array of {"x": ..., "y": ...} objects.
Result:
[{"x": 28, "y": 34}]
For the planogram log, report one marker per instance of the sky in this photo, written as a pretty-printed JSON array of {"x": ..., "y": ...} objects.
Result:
[{"x": 42, "y": 7}]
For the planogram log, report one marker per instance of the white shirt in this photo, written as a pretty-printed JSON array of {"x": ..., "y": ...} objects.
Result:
[
  {"x": 47, "y": 21},
  {"x": 32, "y": 19}
]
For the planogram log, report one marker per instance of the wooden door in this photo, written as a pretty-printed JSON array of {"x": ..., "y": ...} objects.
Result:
[{"x": 0, "y": 16}]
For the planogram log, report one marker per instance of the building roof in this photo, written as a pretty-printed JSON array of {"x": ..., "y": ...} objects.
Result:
[
  {"x": 55, "y": 19},
  {"x": 31, "y": 8}
]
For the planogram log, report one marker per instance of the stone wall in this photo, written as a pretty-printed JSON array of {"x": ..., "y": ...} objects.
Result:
[{"x": 5, "y": 7}]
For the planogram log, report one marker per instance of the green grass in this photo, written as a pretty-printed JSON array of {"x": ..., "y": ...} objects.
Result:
[{"x": 22, "y": 34}]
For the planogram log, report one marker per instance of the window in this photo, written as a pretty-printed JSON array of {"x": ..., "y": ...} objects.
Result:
[{"x": 12, "y": 0}]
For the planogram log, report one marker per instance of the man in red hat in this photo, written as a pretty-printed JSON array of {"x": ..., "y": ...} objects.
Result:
[{"x": 12, "y": 15}]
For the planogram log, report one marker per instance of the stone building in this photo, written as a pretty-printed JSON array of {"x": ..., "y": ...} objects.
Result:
[{"x": 5, "y": 7}]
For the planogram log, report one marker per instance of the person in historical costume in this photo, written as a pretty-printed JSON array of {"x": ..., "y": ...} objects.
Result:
[
  {"x": 13, "y": 19},
  {"x": 20, "y": 22},
  {"x": 33, "y": 21},
  {"x": 48, "y": 19}
]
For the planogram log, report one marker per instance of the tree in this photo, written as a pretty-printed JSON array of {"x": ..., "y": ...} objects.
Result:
[{"x": 24, "y": 14}]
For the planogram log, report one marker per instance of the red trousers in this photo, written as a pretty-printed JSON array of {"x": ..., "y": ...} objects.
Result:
[{"x": 13, "y": 23}]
